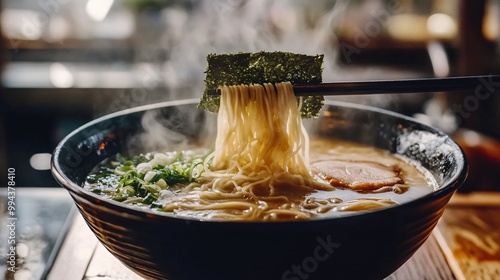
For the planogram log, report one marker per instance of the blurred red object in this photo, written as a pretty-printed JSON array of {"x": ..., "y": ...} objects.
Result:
[{"x": 483, "y": 155}]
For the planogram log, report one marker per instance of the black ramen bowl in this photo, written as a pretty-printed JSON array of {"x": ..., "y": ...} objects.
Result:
[{"x": 366, "y": 245}]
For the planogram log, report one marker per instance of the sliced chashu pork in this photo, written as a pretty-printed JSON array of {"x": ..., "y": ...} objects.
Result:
[{"x": 357, "y": 175}]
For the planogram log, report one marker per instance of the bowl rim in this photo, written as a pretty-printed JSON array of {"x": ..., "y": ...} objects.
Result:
[{"x": 146, "y": 213}]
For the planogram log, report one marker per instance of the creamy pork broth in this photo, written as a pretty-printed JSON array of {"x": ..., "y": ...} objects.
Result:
[
  {"x": 417, "y": 180},
  {"x": 186, "y": 196},
  {"x": 263, "y": 167}
]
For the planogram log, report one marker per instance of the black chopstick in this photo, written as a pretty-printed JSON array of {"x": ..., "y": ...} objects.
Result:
[{"x": 449, "y": 84}]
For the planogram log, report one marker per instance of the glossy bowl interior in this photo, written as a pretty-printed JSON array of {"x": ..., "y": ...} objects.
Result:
[{"x": 370, "y": 245}]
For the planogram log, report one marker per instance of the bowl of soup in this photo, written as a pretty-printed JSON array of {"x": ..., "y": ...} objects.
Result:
[{"x": 379, "y": 184}]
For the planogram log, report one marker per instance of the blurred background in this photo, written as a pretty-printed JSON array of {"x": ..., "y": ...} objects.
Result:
[{"x": 66, "y": 62}]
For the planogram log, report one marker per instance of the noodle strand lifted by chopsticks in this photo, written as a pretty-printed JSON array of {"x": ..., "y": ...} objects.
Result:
[
  {"x": 259, "y": 128},
  {"x": 261, "y": 152}
]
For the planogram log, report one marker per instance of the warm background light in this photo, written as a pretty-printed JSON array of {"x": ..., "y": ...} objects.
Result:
[
  {"x": 441, "y": 26},
  {"x": 98, "y": 9}
]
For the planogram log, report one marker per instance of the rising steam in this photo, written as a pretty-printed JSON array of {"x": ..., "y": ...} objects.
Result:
[
  {"x": 230, "y": 26},
  {"x": 190, "y": 32}
]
